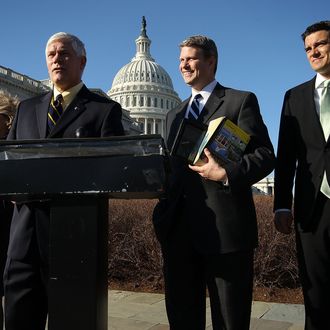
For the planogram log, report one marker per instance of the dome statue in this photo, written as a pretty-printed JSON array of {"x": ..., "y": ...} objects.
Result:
[{"x": 144, "y": 88}]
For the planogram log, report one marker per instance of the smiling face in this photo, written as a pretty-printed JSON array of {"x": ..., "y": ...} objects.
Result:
[
  {"x": 196, "y": 69},
  {"x": 65, "y": 67},
  {"x": 317, "y": 47}
]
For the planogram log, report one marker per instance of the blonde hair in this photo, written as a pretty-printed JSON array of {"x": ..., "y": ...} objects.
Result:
[{"x": 8, "y": 106}]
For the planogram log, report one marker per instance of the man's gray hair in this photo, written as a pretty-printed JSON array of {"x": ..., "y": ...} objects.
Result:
[{"x": 76, "y": 43}]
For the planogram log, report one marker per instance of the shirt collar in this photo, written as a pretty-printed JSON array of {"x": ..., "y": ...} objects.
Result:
[
  {"x": 206, "y": 91},
  {"x": 319, "y": 81},
  {"x": 69, "y": 94}
]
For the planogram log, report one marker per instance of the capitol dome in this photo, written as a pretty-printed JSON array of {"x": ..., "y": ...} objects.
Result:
[{"x": 144, "y": 88}]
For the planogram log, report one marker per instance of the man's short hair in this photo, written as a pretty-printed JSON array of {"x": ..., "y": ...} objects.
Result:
[
  {"x": 204, "y": 43},
  {"x": 319, "y": 26},
  {"x": 76, "y": 43}
]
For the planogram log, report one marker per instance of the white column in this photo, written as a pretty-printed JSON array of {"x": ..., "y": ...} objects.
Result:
[
  {"x": 162, "y": 128},
  {"x": 154, "y": 128},
  {"x": 145, "y": 125}
]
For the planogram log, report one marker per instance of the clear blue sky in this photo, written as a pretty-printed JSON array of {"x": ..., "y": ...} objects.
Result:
[{"x": 259, "y": 42}]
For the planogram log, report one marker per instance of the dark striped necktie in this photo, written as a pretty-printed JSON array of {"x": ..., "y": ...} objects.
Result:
[
  {"x": 55, "y": 111},
  {"x": 194, "y": 108}
]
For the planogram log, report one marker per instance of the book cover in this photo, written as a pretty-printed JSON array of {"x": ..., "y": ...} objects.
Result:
[
  {"x": 190, "y": 134},
  {"x": 224, "y": 139}
]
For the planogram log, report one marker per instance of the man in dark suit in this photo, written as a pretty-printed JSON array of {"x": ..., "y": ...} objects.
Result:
[
  {"x": 303, "y": 161},
  {"x": 77, "y": 113},
  {"x": 207, "y": 222}
]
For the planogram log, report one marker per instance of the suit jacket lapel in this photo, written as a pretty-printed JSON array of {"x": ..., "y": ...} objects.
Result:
[
  {"x": 213, "y": 103},
  {"x": 77, "y": 106},
  {"x": 310, "y": 115},
  {"x": 173, "y": 123},
  {"x": 42, "y": 112},
  {"x": 181, "y": 111}
]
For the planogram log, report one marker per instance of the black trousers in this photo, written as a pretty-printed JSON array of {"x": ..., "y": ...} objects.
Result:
[
  {"x": 25, "y": 284},
  {"x": 6, "y": 213},
  {"x": 313, "y": 251},
  {"x": 228, "y": 278},
  {"x": 26, "y": 302}
]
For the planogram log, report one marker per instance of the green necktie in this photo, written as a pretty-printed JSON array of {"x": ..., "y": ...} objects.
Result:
[{"x": 325, "y": 122}]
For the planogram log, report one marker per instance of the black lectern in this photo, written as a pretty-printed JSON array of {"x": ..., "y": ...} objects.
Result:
[{"x": 88, "y": 173}]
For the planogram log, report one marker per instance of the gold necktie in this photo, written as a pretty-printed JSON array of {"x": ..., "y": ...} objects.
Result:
[{"x": 55, "y": 111}]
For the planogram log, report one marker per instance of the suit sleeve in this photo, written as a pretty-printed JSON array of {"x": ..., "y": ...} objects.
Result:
[
  {"x": 112, "y": 124},
  {"x": 259, "y": 157},
  {"x": 286, "y": 158}
]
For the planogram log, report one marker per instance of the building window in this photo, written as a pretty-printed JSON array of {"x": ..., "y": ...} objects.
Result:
[
  {"x": 149, "y": 128},
  {"x": 156, "y": 102},
  {"x": 134, "y": 101},
  {"x": 141, "y": 101},
  {"x": 148, "y": 102},
  {"x": 141, "y": 125},
  {"x": 162, "y": 103}
]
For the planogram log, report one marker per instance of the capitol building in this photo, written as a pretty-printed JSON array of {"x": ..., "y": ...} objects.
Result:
[{"x": 144, "y": 88}]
